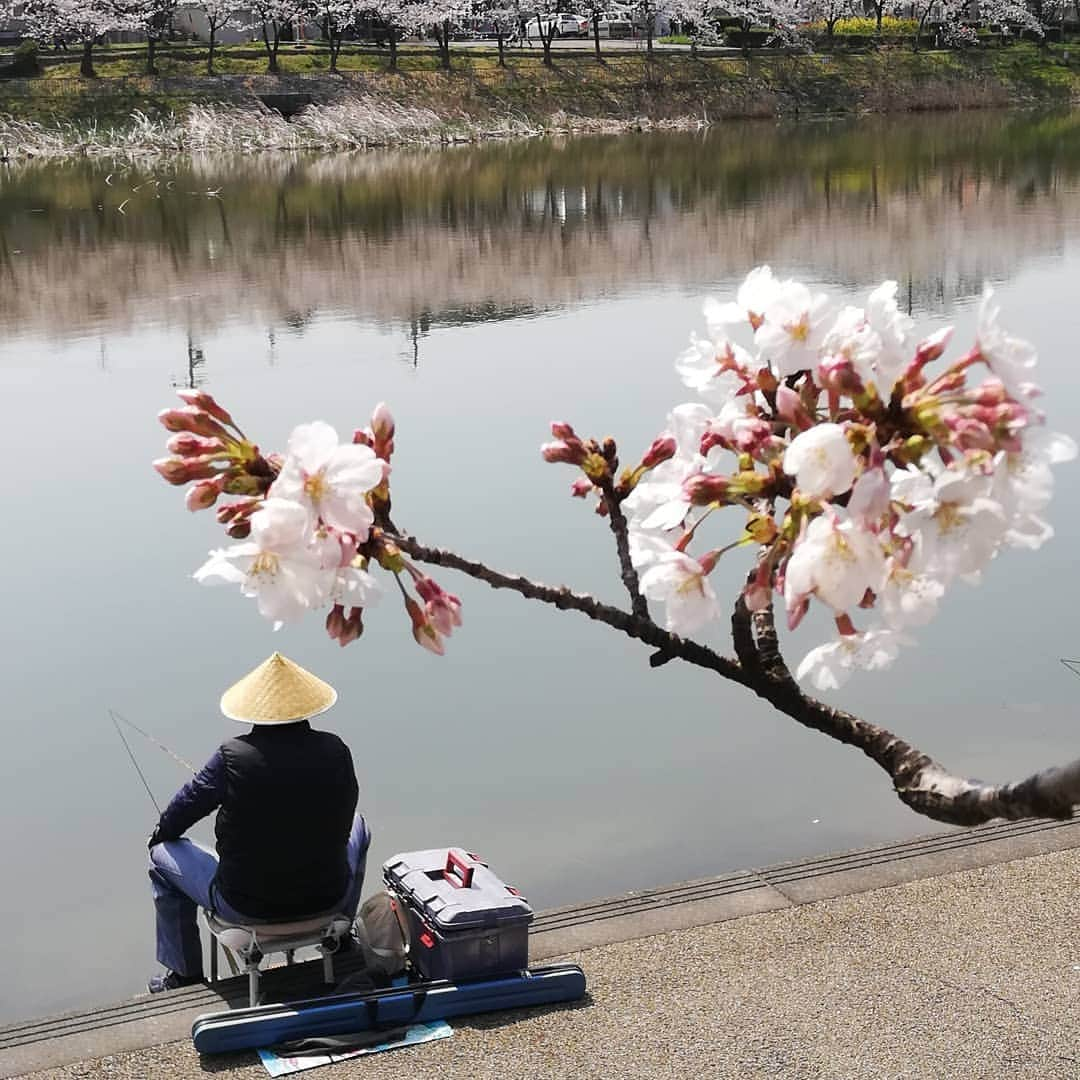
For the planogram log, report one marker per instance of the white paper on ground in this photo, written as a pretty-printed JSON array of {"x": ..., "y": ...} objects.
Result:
[{"x": 418, "y": 1033}]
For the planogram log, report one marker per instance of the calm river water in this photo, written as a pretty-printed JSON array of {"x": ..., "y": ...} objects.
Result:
[{"x": 482, "y": 292}]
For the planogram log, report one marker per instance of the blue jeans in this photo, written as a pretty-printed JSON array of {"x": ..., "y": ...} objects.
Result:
[{"x": 181, "y": 878}]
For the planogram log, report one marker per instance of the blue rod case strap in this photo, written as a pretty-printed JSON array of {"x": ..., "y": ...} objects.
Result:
[{"x": 268, "y": 1025}]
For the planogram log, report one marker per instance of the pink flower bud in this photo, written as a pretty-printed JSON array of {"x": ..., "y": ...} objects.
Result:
[
  {"x": 335, "y": 622},
  {"x": 424, "y": 634},
  {"x": 838, "y": 375},
  {"x": 990, "y": 392},
  {"x": 204, "y": 494},
  {"x": 563, "y": 430},
  {"x": 702, "y": 490},
  {"x": 239, "y": 530},
  {"x": 569, "y": 454},
  {"x": 789, "y": 407},
  {"x": 663, "y": 449},
  {"x": 382, "y": 422},
  {"x": 581, "y": 487},
  {"x": 442, "y": 609},
  {"x": 353, "y": 627},
  {"x": 200, "y": 399},
  {"x": 186, "y": 444},
  {"x": 363, "y": 437},
  {"x": 191, "y": 419},
  {"x": 184, "y": 470}
]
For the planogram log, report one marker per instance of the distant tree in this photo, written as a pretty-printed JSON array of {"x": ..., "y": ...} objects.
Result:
[
  {"x": 545, "y": 13},
  {"x": 336, "y": 18},
  {"x": 156, "y": 21},
  {"x": 399, "y": 18},
  {"x": 828, "y": 12},
  {"x": 85, "y": 22},
  {"x": 271, "y": 19},
  {"x": 443, "y": 18},
  {"x": 505, "y": 19},
  {"x": 220, "y": 14},
  {"x": 782, "y": 17}
]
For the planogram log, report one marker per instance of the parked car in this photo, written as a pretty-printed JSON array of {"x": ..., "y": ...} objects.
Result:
[
  {"x": 566, "y": 24},
  {"x": 614, "y": 24}
]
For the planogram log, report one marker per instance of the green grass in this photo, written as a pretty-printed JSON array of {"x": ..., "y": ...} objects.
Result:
[{"x": 671, "y": 86}]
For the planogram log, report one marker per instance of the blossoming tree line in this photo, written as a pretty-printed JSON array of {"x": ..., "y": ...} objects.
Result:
[
  {"x": 850, "y": 465},
  {"x": 88, "y": 22}
]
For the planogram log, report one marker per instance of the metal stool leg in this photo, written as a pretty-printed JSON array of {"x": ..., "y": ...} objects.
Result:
[
  {"x": 289, "y": 956},
  {"x": 253, "y": 983},
  {"x": 213, "y": 958},
  {"x": 327, "y": 966}
]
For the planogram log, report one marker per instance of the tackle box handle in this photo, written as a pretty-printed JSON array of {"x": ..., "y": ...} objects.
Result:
[{"x": 457, "y": 871}]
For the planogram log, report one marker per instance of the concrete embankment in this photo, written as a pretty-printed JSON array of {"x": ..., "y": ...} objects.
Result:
[
  {"x": 479, "y": 99},
  {"x": 951, "y": 956}
]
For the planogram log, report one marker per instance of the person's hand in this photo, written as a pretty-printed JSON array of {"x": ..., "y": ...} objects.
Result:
[{"x": 155, "y": 837}]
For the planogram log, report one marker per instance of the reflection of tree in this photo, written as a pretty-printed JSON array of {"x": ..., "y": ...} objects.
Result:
[
  {"x": 196, "y": 362},
  {"x": 496, "y": 231}
]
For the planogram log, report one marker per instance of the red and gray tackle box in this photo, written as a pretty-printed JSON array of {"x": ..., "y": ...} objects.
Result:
[{"x": 464, "y": 922}]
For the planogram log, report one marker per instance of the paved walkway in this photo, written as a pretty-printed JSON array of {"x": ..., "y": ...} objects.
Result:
[{"x": 975, "y": 974}]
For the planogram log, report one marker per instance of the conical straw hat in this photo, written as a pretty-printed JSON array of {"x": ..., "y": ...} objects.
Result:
[{"x": 277, "y": 692}]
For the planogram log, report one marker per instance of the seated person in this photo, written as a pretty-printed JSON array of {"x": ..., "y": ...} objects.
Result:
[{"x": 289, "y": 844}]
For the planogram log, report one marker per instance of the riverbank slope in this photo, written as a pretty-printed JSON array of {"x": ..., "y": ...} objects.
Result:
[
  {"x": 366, "y": 107},
  {"x": 973, "y": 973}
]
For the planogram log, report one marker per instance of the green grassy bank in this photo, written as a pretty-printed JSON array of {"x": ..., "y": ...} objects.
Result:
[{"x": 576, "y": 91}]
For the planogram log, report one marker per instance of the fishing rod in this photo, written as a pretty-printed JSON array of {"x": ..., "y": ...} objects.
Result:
[
  {"x": 117, "y": 719},
  {"x": 127, "y": 747},
  {"x": 157, "y": 742},
  {"x": 1072, "y": 665}
]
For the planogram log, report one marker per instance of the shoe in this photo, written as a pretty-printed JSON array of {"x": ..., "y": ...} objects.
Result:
[{"x": 171, "y": 980}]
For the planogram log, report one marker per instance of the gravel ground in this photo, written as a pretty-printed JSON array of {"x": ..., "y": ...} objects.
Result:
[{"x": 974, "y": 975}]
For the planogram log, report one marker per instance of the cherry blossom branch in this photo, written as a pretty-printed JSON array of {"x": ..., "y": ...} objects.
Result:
[
  {"x": 920, "y": 782},
  {"x": 642, "y": 628},
  {"x": 617, "y": 521}
]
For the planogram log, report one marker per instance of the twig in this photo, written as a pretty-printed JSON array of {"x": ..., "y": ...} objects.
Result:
[{"x": 617, "y": 520}]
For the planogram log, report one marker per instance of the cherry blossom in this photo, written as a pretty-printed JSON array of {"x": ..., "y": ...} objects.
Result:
[
  {"x": 681, "y": 583},
  {"x": 821, "y": 461},
  {"x": 829, "y": 666},
  {"x": 836, "y": 561},
  {"x": 329, "y": 479},
  {"x": 275, "y": 566}
]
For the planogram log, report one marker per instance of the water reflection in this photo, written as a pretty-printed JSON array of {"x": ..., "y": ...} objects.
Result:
[
  {"x": 453, "y": 285},
  {"x": 481, "y": 233}
]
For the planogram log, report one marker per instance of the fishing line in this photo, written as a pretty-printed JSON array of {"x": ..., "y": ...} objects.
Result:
[
  {"x": 1072, "y": 665},
  {"x": 157, "y": 742},
  {"x": 127, "y": 747}
]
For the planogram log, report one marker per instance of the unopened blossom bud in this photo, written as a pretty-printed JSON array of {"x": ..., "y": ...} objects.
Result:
[
  {"x": 663, "y": 449},
  {"x": 767, "y": 381},
  {"x": 568, "y": 453},
  {"x": 702, "y": 490},
  {"x": 204, "y": 494},
  {"x": 790, "y": 408},
  {"x": 564, "y": 431},
  {"x": 363, "y": 437},
  {"x": 239, "y": 530},
  {"x": 200, "y": 399},
  {"x": 184, "y": 470},
  {"x": 191, "y": 419},
  {"x": 443, "y": 609},
  {"x": 424, "y": 634},
  {"x": 581, "y": 487},
  {"x": 382, "y": 427},
  {"x": 353, "y": 628},
  {"x": 969, "y": 433},
  {"x": 837, "y": 373},
  {"x": 335, "y": 622},
  {"x": 186, "y": 444},
  {"x": 610, "y": 451},
  {"x": 233, "y": 510},
  {"x": 990, "y": 392},
  {"x": 926, "y": 353}
]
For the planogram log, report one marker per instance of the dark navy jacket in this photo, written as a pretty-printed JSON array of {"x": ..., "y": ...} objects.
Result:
[{"x": 285, "y": 797}]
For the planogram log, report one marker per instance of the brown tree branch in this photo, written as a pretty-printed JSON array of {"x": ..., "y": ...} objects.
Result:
[
  {"x": 617, "y": 520},
  {"x": 636, "y": 626},
  {"x": 918, "y": 780}
]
